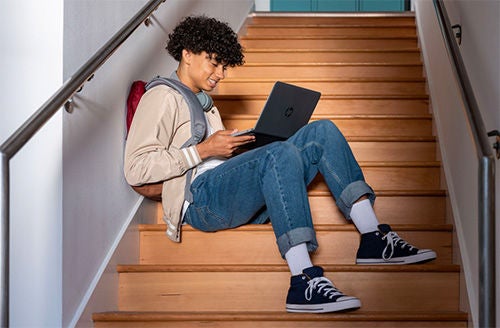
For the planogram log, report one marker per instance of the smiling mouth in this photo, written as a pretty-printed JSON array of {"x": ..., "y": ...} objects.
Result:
[{"x": 213, "y": 83}]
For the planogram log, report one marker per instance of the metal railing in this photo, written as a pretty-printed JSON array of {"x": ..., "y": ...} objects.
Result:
[
  {"x": 486, "y": 178},
  {"x": 22, "y": 135}
]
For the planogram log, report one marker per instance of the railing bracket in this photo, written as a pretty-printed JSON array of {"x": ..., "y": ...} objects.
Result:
[
  {"x": 69, "y": 106},
  {"x": 496, "y": 145},
  {"x": 458, "y": 34}
]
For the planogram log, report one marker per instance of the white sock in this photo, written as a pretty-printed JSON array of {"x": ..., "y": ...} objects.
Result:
[
  {"x": 298, "y": 259},
  {"x": 363, "y": 216}
]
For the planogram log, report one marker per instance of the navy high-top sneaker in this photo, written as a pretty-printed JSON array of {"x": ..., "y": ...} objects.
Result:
[
  {"x": 386, "y": 247},
  {"x": 313, "y": 293}
]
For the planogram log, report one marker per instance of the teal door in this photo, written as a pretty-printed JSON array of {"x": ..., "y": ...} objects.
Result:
[{"x": 339, "y": 5}]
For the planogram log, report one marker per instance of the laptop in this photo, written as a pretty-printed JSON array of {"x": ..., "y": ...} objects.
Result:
[{"x": 287, "y": 109}]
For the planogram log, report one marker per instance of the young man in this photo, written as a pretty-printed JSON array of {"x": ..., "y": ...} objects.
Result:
[{"x": 276, "y": 175}]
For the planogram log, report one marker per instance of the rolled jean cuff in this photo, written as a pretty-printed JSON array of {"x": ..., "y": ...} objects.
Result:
[
  {"x": 351, "y": 194},
  {"x": 295, "y": 237}
]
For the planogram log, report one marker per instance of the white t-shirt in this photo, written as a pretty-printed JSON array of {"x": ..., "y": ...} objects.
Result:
[{"x": 204, "y": 166}]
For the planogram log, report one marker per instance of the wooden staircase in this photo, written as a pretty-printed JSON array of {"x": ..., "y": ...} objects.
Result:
[{"x": 371, "y": 78}]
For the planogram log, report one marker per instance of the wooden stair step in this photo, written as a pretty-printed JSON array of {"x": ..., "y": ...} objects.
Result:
[
  {"x": 330, "y": 30},
  {"x": 325, "y": 70},
  {"x": 409, "y": 56},
  {"x": 263, "y": 288},
  {"x": 261, "y": 245},
  {"x": 405, "y": 150},
  {"x": 392, "y": 207},
  {"x": 352, "y": 125},
  {"x": 280, "y": 319},
  {"x": 339, "y": 87},
  {"x": 394, "y": 176},
  {"x": 332, "y": 105},
  {"x": 257, "y": 244},
  {"x": 368, "y": 56},
  {"x": 330, "y": 43},
  {"x": 340, "y": 20}
]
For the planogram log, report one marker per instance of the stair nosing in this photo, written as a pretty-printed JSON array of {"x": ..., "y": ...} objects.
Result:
[
  {"x": 361, "y": 50},
  {"x": 377, "y": 15},
  {"x": 327, "y": 80},
  {"x": 328, "y": 37},
  {"x": 159, "y": 268},
  {"x": 318, "y": 227},
  {"x": 342, "y": 116},
  {"x": 300, "y": 25},
  {"x": 333, "y": 64},
  {"x": 325, "y": 96},
  {"x": 359, "y": 315}
]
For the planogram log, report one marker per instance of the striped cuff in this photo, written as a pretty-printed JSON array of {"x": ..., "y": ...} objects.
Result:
[{"x": 192, "y": 156}]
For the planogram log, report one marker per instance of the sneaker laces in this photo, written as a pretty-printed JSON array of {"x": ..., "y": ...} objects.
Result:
[
  {"x": 323, "y": 285},
  {"x": 392, "y": 240}
]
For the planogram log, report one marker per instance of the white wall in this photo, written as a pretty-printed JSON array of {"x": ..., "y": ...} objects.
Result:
[
  {"x": 98, "y": 204},
  {"x": 31, "y": 71},
  {"x": 480, "y": 52},
  {"x": 480, "y": 49}
]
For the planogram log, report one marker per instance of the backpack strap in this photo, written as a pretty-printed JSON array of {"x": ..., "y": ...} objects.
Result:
[{"x": 198, "y": 121}]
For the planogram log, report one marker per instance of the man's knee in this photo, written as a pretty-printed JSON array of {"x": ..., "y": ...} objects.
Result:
[{"x": 285, "y": 152}]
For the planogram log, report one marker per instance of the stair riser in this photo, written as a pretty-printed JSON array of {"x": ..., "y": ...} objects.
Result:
[
  {"x": 394, "y": 151},
  {"x": 259, "y": 247},
  {"x": 376, "y": 88},
  {"x": 390, "y": 178},
  {"x": 348, "y": 323},
  {"x": 370, "y": 127},
  {"x": 315, "y": 71},
  {"x": 390, "y": 209},
  {"x": 324, "y": 31},
  {"x": 266, "y": 291},
  {"x": 330, "y": 44},
  {"x": 342, "y": 21},
  {"x": 334, "y": 106},
  {"x": 333, "y": 57}
]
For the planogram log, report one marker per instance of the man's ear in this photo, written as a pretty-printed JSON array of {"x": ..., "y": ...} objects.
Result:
[{"x": 186, "y": 56}]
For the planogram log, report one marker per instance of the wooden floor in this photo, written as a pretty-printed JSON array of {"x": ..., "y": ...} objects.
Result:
[{"x": 369, "y": 71}]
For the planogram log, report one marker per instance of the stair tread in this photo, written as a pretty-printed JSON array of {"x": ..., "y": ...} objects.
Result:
[
  {"x": 325, "y": 37},
  {"x": 358, "y": 315},
  {"x": 368, "y": 50},
  {"x": 329, "y": 80},
  {"x": 342, "y": 64},
  {"x": 326, "y": 96},
  {"x": 393, "y": 193},
  {"x": 325, "y": 25},
  {"x": 317, "y": 227},
  {"x": 344, "y": 116},
  {"x": 142, "y": 268}
]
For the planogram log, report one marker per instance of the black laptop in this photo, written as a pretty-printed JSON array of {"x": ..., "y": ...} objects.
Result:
[{"x": 287, "y": 109}]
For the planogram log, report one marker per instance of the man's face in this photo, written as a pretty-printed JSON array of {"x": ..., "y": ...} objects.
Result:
[{"x": 203, "y": 71}]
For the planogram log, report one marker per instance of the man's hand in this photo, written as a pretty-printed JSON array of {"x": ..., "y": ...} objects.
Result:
[{"x": 222, "y": 144}]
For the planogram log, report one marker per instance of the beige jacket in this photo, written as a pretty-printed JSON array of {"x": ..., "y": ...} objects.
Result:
[{"x": 153, "y": 151}]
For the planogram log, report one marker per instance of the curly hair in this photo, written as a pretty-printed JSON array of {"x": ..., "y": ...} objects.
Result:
[{"x": 201, "y": 33}]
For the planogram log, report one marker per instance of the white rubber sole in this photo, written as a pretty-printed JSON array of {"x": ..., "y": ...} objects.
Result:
[
  {"x": 342, "y": 304},
  {"x": 424, "y": 255}
]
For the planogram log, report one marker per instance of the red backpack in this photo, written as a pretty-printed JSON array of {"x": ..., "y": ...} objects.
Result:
[{"x": 137, "y": 89}]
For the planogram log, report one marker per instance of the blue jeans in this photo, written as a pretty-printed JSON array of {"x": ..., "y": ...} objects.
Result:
[{"x": 271, "y": 182}]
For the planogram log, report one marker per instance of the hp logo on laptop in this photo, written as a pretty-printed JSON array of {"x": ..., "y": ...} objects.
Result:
[{"x": 288, "y": 111}]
